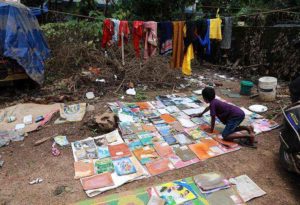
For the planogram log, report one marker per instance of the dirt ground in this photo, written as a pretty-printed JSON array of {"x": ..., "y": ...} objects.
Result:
[{"x": 24, "y": 162}]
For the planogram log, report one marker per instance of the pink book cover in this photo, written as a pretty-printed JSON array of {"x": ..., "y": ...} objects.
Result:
[{"x": 178, "y": 163}]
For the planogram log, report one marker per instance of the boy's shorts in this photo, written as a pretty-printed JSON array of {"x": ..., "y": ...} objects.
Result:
[{"x": 231, "y": 125}]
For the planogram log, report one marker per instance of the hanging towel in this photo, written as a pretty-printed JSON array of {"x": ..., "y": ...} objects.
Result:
[
  {"x": 165, "y": 37},
  {"x": 188, "y": 57},
  {"x": 108, "y": 31},
  {"x": 178, "y": 45},
  {"x": 150, "y": 29},
  {"x": 227, "y": 33},
  {"x": 215, "y": 29},
  {"x": 203, "y": 27},
  {"x": 137, "y": 34},
  {"x": 115, "y": 37},
  {"x": 123, "y": 28},
  {"x": 189, "y": 54}
]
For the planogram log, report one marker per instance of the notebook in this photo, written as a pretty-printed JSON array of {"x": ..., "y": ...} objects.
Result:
[
  {"x": 124, "y": 166},
  {"x": 159, "y": 166},
  {"x": 163, "y": 149},
  {"x": 97, "y": 181},
  {"x": 119, "y": 151},
  {"x": 103, "y": 165},
  {"x": 83, "y": 168},
  {"x": 146, "y": 154},
  {"x": 184, "y": 153}
]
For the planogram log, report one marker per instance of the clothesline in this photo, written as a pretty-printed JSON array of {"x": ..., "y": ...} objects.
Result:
[{"x": 234, "y": 16}]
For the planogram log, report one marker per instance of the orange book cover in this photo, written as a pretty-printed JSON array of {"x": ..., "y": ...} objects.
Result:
[
  {"x": 159, "y": 166},
  {"x": 145, "y": 154},
  {"x": 83, "y": 168},
  {"x": 226, "y": 143},
  {"x": 167, "y": 118},
  {"x": 143, "y": 105},
  {"x": 119, "y": 151},
  {"x": 206, "y": 127},
  {"x": 163, "y": 149},
  {"x": 201, "y": 150},
  {"x": 149, "y": 127},
  {"x": 97, "y": 181}
]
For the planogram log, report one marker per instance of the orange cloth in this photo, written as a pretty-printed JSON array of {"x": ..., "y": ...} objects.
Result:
[{"x": 178, "y": 45}]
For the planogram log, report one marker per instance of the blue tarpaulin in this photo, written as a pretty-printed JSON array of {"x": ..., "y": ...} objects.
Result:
[{"x": 22, "y": 39}]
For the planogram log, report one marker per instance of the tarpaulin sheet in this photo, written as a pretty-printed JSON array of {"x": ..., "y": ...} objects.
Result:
[{"x": 22, "y": 40}]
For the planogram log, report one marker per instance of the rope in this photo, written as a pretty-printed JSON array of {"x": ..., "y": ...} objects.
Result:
[{"x": 236, "y": 16}]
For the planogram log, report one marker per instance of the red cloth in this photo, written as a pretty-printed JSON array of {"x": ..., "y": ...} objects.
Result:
[
  {"x": 123, "y": 28},
  {"x": 150, "y": 29},
  {"x": 108, "y": 31},
  {"x": 137, "y": 36}
]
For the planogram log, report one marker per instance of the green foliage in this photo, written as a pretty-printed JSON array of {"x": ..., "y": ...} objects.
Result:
[
  {"x": 71, "y": 31},
  {"x": 152, "y": 9}
]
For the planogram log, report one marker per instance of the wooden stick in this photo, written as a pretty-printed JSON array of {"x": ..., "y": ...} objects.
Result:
[{"x": 122, "y": 42}]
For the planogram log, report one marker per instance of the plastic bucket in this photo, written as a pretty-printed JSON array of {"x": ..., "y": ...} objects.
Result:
[
  {"x": 246, "y": 87},
  {"x": 267, "y": 88}
]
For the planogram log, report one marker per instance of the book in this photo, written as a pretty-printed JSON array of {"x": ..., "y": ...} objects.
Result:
[
  {"x": 176, "y": 192},
  {"x": 168, "y": 118},
  {"x": 124, "y": 166},
  {"x": 182, "y": 139},
  {"x": 146, "y": 138},
  {"x": 184, "y": 153},
  {"x": 159, "y": 166},
  {"x": 97, "y": 181},
  {"x": 163, "y": 149},
  {"x": 208, "y": 182},
  {"x": 170, "y": 139},
  {"x": 103, "y": 165},
  {"x": 83, "y": 168},
  {"x": 146, "y": 154},
  {"x": 119, "y": 151}
]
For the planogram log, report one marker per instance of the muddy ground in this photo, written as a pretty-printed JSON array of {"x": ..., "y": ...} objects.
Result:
[{"x": 24, "y": 162}]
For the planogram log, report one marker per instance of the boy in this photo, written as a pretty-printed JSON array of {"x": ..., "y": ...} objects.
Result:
[{"x": 229, "y": 115}]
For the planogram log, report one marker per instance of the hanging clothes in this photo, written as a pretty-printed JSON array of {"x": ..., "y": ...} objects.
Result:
[
  {"x": 189, "y": 53},
  {"x": 165, "y": 37},
  {"x": 178, "y": 44},
  {"x": 203, "y": 28},
  {"x": 227, "y": 33},
  {"x": 137, "y": 34},
  {"x": 115, "y": 37},
  {"x": 123, "y": 28},
  {"x": 150, "y": 30},
  {"x": 215, "y": 31},
  {"x": 108, "y": 31},
  {"x": 189, "y": 34}
]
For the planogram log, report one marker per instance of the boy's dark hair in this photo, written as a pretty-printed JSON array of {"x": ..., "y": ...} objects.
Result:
[{"x": 208, "y": 94}]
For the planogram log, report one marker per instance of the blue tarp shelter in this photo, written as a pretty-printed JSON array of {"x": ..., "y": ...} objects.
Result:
[{"x": 21, "y": 39}]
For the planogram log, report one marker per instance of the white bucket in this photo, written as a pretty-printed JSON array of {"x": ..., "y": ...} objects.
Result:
[{"x": 267, "y": 88}]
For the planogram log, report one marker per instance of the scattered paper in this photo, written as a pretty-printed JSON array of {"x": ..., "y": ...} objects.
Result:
[
  {"x": 247, "y": 188},
  {"x": 36, "y": 181},
  {"x": 27, "y": 120},
  {"x": 198, "y": 92},
  {"x": 131, "y": 91},
  {"x": 61, "y": 140},
  {"x": 186, "y": 122},
  {"x": 19, "y": 126},
  {"x": 90, "y": 95}
]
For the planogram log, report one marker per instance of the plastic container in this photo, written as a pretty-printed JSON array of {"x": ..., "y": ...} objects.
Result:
[
  {"x": 267, "y": 88},
  {"x": 246, "y": 87}
]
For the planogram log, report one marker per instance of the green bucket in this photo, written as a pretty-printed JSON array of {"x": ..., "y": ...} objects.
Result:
[{"x": 246, "y": 87}]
